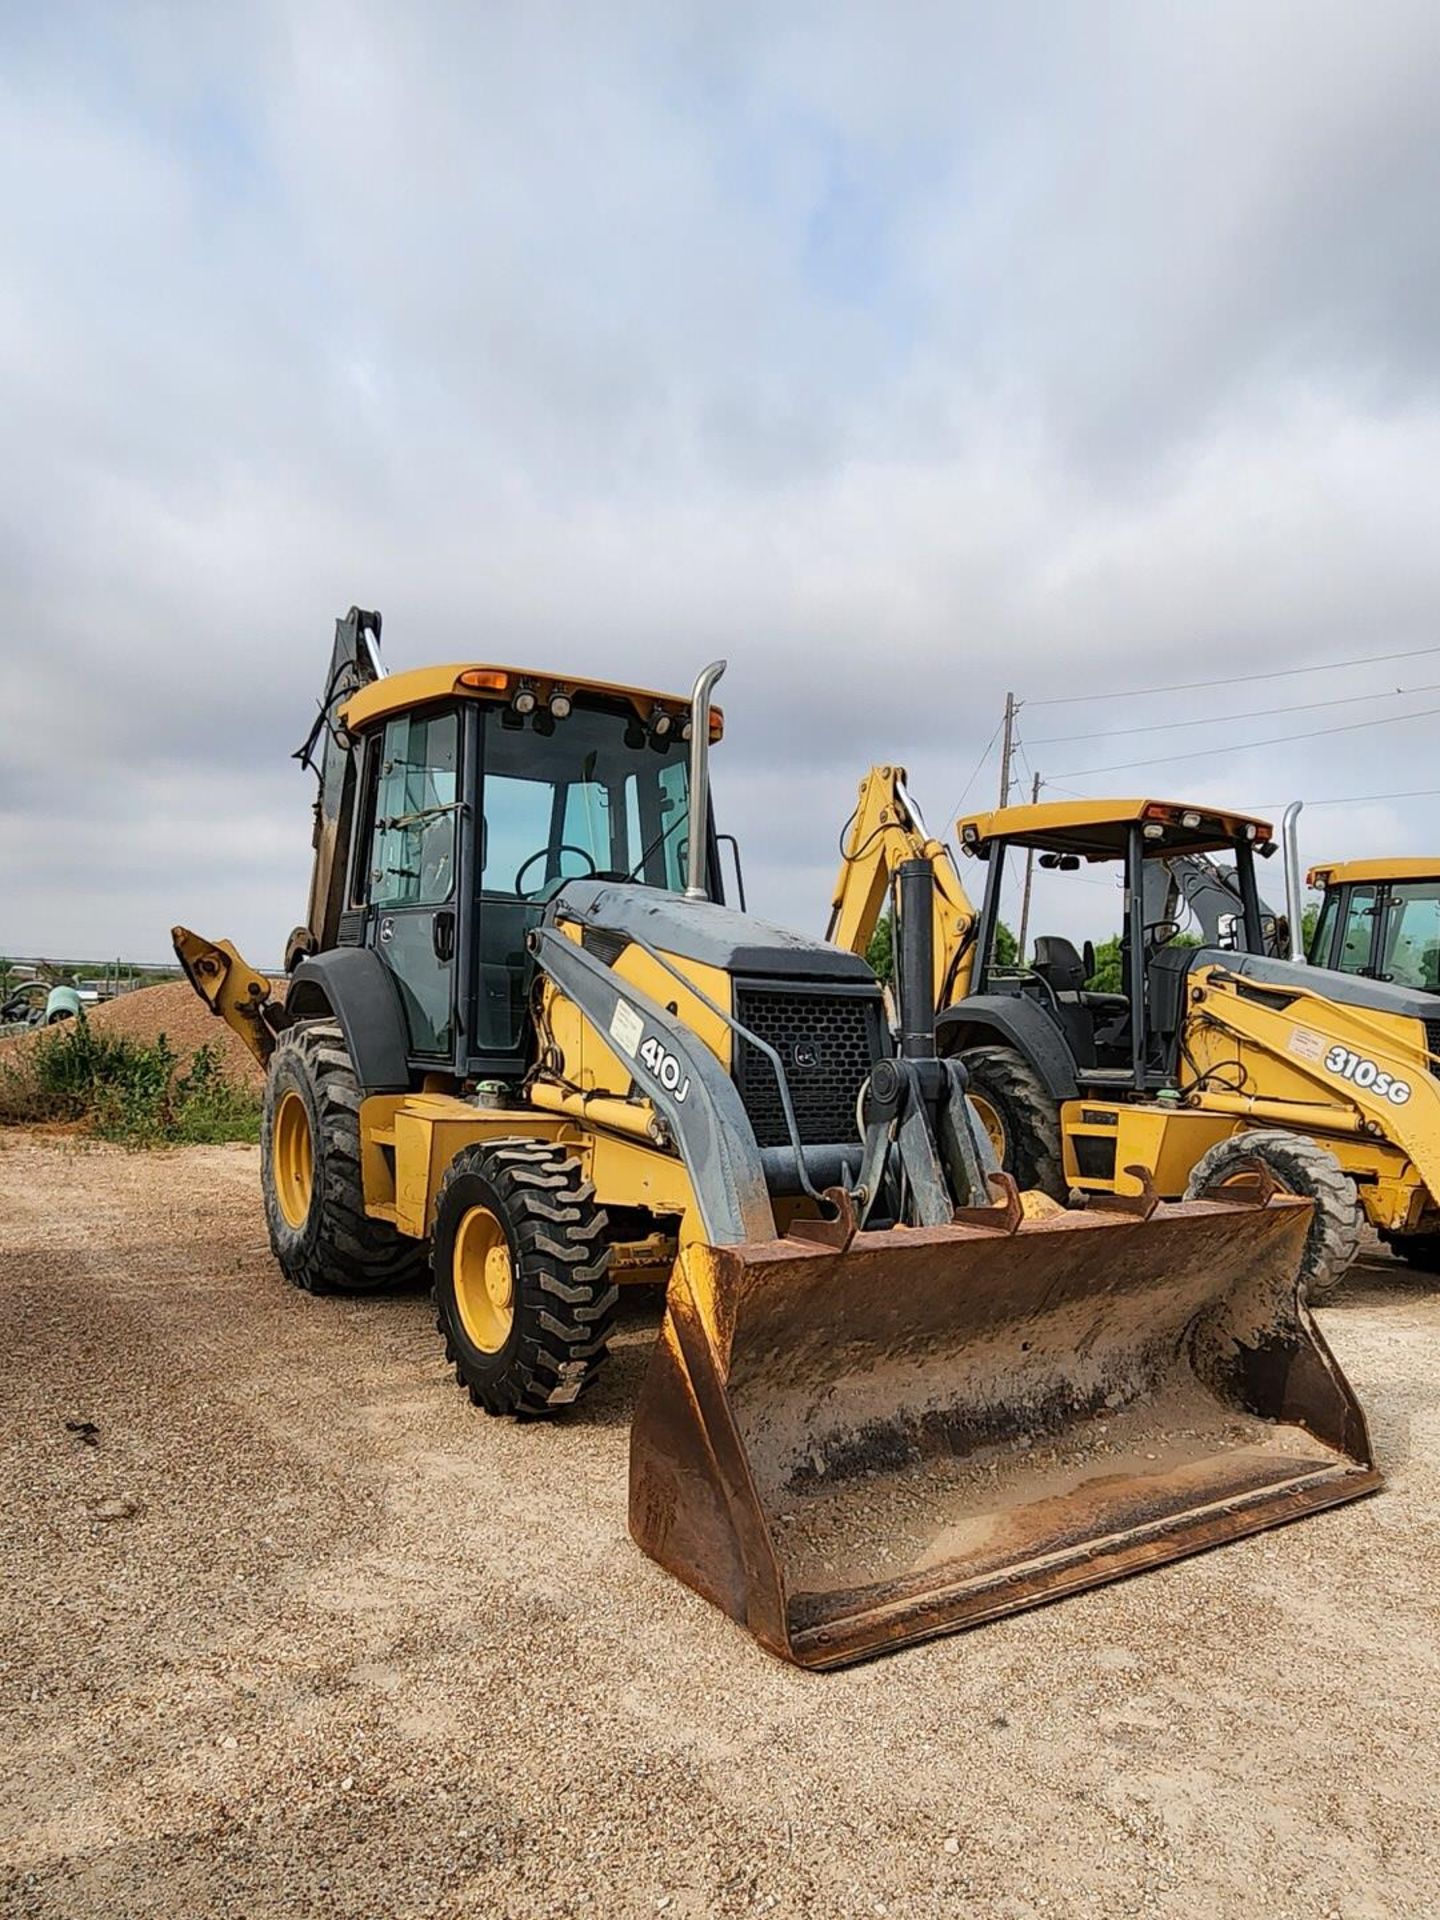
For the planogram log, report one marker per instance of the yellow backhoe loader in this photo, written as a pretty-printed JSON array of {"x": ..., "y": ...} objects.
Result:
[
  {"x": 522, "y": 1040},
  {"x": 1208, "y": 1059}
]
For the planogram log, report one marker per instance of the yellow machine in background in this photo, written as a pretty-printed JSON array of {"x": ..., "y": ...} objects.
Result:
[
  {"x": 522, "y": 1042},
  {"x": 1208, "y": 1060},
  {"x": 1380, "y": 919}
]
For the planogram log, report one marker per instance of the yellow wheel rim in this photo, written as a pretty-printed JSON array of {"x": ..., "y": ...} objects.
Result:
[
  {"x": 484, "y": 1277},
  {"x": 992, "y": 1123},
  {"x": 292, "y": 1155}
]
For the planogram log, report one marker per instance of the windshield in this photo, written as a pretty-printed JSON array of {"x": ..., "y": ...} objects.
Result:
[
  {"x": 1410, "y": 953},
  {"x": 587, "y": 795},
  {"x": 562, "y": 800}
]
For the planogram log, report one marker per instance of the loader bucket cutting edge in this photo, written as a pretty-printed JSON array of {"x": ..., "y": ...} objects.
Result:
[{"x": 852, "y": 1450}]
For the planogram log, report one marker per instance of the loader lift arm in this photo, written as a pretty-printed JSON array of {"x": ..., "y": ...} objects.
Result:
[{"x": 886, "y": 832}]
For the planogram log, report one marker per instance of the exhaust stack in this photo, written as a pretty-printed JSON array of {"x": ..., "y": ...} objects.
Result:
[
  {"x": 1294, "y": 906},
  {"x": 695, "y": 888}
]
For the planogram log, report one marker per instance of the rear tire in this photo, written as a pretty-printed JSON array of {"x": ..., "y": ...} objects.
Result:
[
  {"x": 1302, "y": 1167},
  {"x": 522, "y": 1290},
  {"x": 310, "y": 1172},
  {"x": 1020, "y": 1115}
]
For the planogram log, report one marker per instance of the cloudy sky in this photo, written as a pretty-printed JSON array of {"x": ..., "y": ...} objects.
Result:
[{"x": 902, "y": 354}]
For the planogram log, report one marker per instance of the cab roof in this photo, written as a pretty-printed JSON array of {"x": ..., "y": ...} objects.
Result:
[
  {"x": 1339, "y": 873},
  {"x": 479, "y": 680},
  {"x": 1099, "y": 829}
]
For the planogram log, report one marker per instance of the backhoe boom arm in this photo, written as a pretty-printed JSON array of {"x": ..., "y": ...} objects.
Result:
[{"x": 885, "y": 831}]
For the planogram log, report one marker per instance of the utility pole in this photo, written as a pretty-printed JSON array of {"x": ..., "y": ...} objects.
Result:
[
  {"x": 1007, "y": 747},
  {"x": 1029, "y": 874}
]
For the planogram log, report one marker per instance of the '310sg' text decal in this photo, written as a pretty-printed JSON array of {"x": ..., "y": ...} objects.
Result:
[{"x": 1364, "y": 1073}]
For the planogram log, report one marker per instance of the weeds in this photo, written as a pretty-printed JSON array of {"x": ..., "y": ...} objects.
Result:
[{"x": 125, "y": 1090}]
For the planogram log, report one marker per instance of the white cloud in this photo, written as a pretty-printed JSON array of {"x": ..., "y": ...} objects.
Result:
[{"x": 905, "y": 360}]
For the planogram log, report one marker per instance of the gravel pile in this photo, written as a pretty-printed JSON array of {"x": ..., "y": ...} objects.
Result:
[{"x": 287, "y": 1628}]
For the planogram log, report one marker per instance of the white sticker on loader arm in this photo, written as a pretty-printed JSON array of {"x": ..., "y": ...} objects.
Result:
[
  {"x": 626, "y": 1027},
  {"x": 1308, "y": 1044}
]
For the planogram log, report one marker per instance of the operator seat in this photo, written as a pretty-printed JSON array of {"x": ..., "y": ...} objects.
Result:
[
  {"x": 1059, "y": 965},
  {"x": 1087, "y": 1019}
]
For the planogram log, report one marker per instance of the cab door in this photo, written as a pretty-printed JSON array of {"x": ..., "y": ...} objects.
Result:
[{"x": 414, "y": 858}]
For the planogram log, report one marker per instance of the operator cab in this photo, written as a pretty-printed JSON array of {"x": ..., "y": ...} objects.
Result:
[
  {"x": 1125, "y": 1038},
  {"x": 481, "y": 791},
  {"x": 1380, "y": 919}
]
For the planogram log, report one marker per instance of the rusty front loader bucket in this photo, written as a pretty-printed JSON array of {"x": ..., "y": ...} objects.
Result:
[{"x": 851, "y": 1449}]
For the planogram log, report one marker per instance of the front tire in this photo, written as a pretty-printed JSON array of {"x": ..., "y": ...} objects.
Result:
[
  {"x": 310, "y": 1172},
  {"x": 522, "y": 1291},
  {"x": 1020, "y": 1116},
  {"x": 1302, "y": 1167}
]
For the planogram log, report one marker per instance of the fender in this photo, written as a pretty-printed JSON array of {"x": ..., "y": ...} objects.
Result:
[
  {"x": 1006, "y": 1017},
  {"x": 356, "y": 986}
]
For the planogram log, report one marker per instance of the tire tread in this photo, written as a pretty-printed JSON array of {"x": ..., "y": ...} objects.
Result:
[
  {"x": 348, "y": 1251},
  {"x": 1302, "y": 1166},
  {"x": 565, "y": 1303}
]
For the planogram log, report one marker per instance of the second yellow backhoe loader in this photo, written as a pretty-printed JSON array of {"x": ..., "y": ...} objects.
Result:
[
  {"x": 1208, "y": 1059},
  {"x": 522, "y": 1041}
]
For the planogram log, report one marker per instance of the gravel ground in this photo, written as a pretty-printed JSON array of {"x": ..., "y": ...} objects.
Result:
[{"x": 297, "y": 1632}]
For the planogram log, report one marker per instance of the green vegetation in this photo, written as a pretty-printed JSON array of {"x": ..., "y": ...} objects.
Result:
[
  {"x": 125, "y": 1090},
  {"x": 1108, "y": 976},
  {"x": 880, "y": 954}
]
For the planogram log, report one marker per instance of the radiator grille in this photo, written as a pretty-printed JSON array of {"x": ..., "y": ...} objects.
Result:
[
  {"x": 1432, "y": 1041},
  {"x": 826, "y": 1041}
]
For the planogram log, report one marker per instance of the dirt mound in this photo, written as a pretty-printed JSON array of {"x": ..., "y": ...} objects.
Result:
[{"x": 178, "y": 1012}]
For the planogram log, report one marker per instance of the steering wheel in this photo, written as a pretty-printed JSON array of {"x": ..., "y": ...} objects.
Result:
[
  {"x": 544, "y": 853},
  {"x": 1159, "y": 934}
]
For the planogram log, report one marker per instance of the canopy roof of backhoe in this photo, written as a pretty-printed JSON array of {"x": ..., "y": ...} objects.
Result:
[
  {"x": 1099, "y": 829},
  {"x": 478, "y": 680},
  {"x": 1341, "y": 873}
]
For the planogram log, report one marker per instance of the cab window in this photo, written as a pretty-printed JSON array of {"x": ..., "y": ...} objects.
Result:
[
  {"x": 1411, "y": 955},
  {"x": 1322, "y": 940},
  {"x": 412, "y": 842},
  {"x": 1357, "y": 937}
]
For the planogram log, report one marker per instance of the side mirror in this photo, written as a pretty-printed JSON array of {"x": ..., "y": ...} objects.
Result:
[{"x": 1087, "y": 958}]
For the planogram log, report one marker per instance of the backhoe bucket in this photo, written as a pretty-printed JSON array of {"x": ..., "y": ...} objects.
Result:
[{"x": 851, "y": 1447}]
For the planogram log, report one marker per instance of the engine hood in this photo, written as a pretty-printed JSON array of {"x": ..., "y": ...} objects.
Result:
[{"x": 698, "y": 930}]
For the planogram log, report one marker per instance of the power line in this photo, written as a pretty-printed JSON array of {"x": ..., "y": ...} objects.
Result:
[
  {"x": 1352, "y": 799},
  {"x": 1215, "y": 720},
  {"x": 1233, "y": 679},
  {"x": 1244, "y": 746},
  {"x": 976, "y": 774}
]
